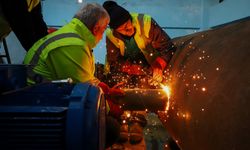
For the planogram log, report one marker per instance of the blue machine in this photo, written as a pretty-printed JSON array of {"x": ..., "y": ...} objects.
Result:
[
  {"x": 53, "y": 116},
  {"x": 12, "y": 77}
]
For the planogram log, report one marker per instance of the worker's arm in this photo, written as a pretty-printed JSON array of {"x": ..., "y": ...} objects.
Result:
[{"x": 161, "y": 42}]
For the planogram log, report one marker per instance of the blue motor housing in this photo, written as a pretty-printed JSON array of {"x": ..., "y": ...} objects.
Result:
[
  {"x": 53, "y": 116},
  {"x": 12, "y": 77}
]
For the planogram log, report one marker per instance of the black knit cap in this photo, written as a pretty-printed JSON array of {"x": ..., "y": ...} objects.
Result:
[{"x": 118, "y": 15}]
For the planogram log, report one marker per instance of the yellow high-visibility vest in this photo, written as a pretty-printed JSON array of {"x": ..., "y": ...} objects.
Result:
[{"x": 65, "y": 38}]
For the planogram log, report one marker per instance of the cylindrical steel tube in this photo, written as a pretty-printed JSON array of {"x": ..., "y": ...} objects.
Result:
[
  {"x": 210, "y": 81},
  {"x": 143, "y": 99}
]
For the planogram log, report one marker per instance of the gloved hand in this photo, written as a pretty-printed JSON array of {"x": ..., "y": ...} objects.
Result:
[
  {"x": 157, "y": 74},
  {"x": 114, "y": 109},
  {"x": 157, "y": 77},
  {"x": 110, "y": 91},
  {"x": 158, "y": 65},
  {"x": 105, "y": 88}
]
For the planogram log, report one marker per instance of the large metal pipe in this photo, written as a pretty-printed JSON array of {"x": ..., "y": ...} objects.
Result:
[
  {"x": 143, "y": 99},
  {"x": 210, "y": 81}
]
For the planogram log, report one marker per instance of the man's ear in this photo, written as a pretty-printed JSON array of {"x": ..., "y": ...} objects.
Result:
[{"x": 96, "y": 29}]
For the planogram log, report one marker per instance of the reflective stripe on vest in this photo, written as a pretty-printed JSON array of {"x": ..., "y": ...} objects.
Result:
[
  {"x": 117, "y": 42},
  {"x": 34, "y": 77}
]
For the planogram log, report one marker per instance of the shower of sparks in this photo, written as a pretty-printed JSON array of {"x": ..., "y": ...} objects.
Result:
[{"x": 168, "y": 92}]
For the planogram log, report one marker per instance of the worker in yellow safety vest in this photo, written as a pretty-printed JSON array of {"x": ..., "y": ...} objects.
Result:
[
  {"x": 136, "y": 46},
  {"x": 67, "y": 53},
  {"x": 25, "y": 19}
]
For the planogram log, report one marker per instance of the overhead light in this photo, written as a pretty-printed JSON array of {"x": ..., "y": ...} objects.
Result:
[{"x": 79, "y": 1}]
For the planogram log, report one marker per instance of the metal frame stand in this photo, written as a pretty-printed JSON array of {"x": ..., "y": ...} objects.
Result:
[{"x": 6, "y": 52}]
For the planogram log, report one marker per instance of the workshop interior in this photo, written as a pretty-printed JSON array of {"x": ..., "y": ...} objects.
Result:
[{"x": 125, "y": 74}]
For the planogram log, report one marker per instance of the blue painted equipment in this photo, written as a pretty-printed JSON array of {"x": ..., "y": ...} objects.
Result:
[
  {"x": 12, "y": 77},
  {"x": 53, "y": 116}
]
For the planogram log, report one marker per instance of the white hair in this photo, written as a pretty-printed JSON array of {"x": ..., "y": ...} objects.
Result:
[{"x": 91, "y": 13}]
